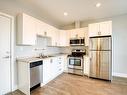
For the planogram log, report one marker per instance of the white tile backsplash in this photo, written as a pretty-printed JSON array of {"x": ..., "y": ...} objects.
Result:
[{"x": 41, "y": 46}]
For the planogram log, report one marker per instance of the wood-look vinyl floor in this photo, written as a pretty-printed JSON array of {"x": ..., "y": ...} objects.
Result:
[{"x": 68, "y": 84}]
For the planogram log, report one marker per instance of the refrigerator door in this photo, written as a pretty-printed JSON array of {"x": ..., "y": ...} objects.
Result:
[
  {"x": 105, "y": 43},
  {"x": 94, "y": 64},
  {"x": 105, "y": 64},
  {"x": 94, "y": 44}
]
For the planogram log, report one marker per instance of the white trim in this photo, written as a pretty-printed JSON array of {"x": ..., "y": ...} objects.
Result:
[
  {"x": 12, "y": 49},
  {"x": 120, "y": 75}
]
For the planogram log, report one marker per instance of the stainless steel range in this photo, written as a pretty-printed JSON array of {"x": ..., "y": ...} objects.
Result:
[{"x": 75, "y": 62}]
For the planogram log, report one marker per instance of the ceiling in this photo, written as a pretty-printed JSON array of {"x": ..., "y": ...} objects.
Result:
[{"x": 78, "y": 10}]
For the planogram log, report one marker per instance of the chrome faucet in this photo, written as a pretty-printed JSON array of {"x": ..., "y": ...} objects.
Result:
[{"x": 41, "y": 55}]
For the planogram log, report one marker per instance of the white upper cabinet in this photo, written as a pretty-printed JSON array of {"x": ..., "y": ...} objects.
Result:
[
  {"x": 29, "y": 28},
  {"x": 64, "y": 38},
  {"x": 106, "y": 28},
  {"x": 26, "y": 32},
  {"x": 80, "y": 32},
  {"x": 93, "y": 29},
  {"x": 53, "y": 33},
  {"x": 40, "y": 28},
  {"x": 100, "y": 29},
  {"x": 86, "y": 36},
  {"x": 73, "y": 33},
  {"x": 77, "y": 33}
]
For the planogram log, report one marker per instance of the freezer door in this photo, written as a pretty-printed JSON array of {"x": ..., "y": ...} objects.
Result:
[
  {"x": 94, "y": 64},
  {"x": 94, "y": 44},
  {"x": 105, "y": 43},
  {"x": 105, "y": 65}
]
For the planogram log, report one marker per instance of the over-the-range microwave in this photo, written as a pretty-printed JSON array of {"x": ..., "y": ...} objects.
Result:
[{"x": 77, "y": 42}]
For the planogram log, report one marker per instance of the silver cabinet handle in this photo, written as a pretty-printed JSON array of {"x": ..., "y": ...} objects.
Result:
[
  {"x": 45, "y": 33},
  {"x": 6, "y": 57},
  {"x": 51, "y": 60},
  {"x": 99, "y": 33}
]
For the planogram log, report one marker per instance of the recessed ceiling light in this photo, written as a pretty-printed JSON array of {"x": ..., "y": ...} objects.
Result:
[
  {"x": 65, "y": 13},
  {"x": 98, "y": 5}
]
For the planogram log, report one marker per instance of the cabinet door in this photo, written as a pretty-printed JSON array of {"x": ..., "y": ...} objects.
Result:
[
  {"x": 65, "y": 62},
  {"x": 46, "y": 71},
  {"x": 40, "y": 28},
  {"x": 94, "y": 30},
  {"x": 54, "y": 68},
  {"x": 60, "y": 64},
  {"x": 106, "y": 28},
  {"x": 64, "y": 38},
  {"x": 83, "y": 32},
  {"x": 73, "y": 33},
  {"x": 86, "y": 36},
  {"x": 80, "y": 32},
  {"x": 86, "y": 65},
  {"x": 56, "y": 37},
  {"x": 53, "y": 33},
  {"x": 26, "y": 30}
]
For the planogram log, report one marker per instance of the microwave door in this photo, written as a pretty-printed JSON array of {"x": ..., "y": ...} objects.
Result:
[{"x": 74, "y": 42}]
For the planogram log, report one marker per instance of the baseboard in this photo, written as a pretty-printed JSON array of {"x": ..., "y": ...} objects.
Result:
[
  {"x": 119, "y": 80},
  {"x": 122, "y": 75}
]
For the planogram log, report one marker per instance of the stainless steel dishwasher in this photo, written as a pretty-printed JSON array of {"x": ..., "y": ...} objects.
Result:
[{"x": 35, "y": 74}]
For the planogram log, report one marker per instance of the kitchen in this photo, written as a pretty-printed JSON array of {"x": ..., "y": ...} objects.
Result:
[{"x": 33, "y": 38}]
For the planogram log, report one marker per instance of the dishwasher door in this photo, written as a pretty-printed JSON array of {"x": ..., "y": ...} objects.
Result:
[{"x": 35, "y": 73}]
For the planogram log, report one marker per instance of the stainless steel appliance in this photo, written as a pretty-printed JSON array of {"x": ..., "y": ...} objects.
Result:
[
  {"x": 77, "y": 42},
  {"x": 35, "y": 69},
  {"x": 100, "y": 57},
  {"x": 75, "y": 62}
]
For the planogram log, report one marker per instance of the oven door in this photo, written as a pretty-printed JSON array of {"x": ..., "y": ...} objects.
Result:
[{"x": 75, "y": 62}]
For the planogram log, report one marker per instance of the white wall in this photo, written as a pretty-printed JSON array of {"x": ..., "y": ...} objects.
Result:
[{"x": 120, "y": 46}]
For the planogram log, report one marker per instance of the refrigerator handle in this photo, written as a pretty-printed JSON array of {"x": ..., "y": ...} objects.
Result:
[
  {"x": 91, "y": 44},
  {"x": 99, "y": 63}
]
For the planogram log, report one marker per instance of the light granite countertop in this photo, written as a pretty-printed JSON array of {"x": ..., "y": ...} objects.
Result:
[{"x": 35, "y": 58}]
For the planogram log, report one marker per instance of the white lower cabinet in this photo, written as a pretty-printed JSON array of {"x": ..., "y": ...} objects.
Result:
[
  {"x": 86, "y": 65},
  {"x": 52, "y": 67},
  {"x": 60, "y": 64},
  {"x": 47, "y": 74}
]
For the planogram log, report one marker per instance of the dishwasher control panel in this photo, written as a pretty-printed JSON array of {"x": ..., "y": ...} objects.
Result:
[{"x": 34, "y": 64}]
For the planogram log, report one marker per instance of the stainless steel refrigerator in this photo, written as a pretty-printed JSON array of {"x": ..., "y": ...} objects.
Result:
[{"x": 100, "y": 57}]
